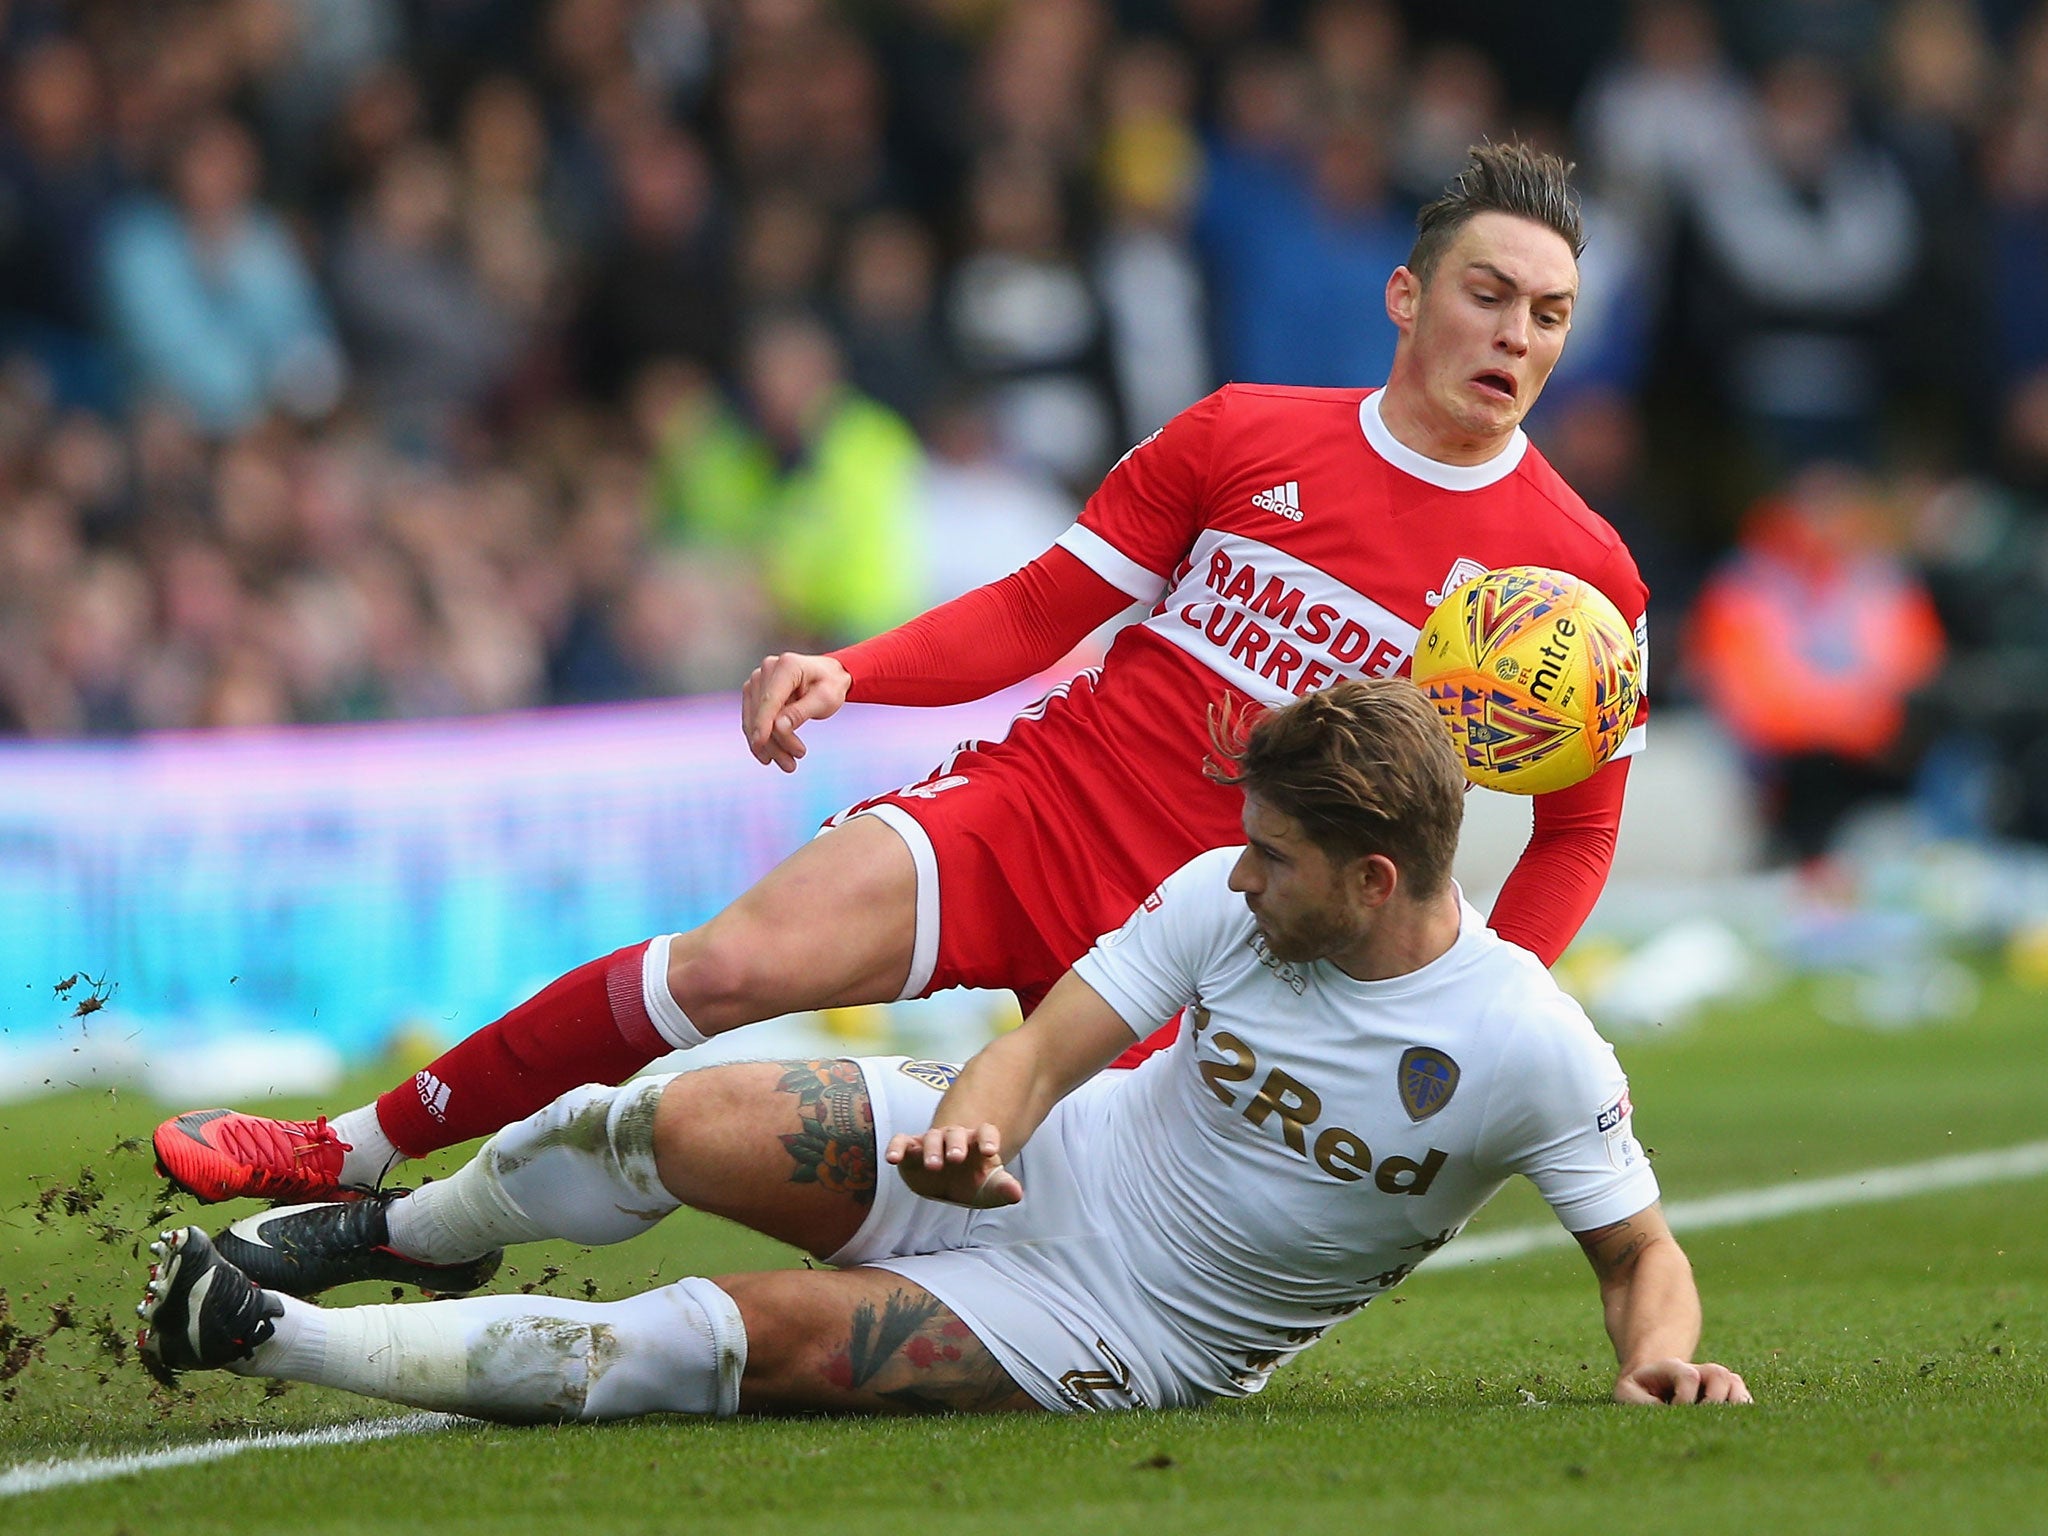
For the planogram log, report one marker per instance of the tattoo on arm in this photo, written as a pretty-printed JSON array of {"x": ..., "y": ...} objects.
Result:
[
  {"x": 836, "y": 1146},
  {"x": 1612, "y": 1249}
]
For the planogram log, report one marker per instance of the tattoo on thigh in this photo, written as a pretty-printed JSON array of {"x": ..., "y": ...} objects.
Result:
[
  {"x": 917, "y": 1355},
  {"x": 836, "y": 1147}
]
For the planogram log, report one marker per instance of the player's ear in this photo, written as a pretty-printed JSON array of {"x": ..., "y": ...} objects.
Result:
[
  {"x": 1374, "y": 878},
  {"x": 1404, "y": 292}
]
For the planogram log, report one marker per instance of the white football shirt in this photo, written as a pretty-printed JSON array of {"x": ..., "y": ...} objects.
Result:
[{"x": 1311, "y": 1138}]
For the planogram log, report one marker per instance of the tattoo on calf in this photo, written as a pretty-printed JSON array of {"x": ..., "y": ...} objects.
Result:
[
  {"x": 836, "y": 1147},
  {"x": 874, "y": 1341},
  {"x": 917, "y": 1355}
]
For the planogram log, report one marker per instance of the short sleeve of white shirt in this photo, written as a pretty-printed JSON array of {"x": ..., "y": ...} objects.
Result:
[
  {"x": 1152, "y": 967},
  {"x": 1561, "y": 1117}
]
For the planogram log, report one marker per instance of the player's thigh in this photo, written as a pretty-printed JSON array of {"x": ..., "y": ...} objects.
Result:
[
  {"x": 834, "y": 923},
  {"x": 784, "y": 1147},
  {"x": 862, "y": 1340}
]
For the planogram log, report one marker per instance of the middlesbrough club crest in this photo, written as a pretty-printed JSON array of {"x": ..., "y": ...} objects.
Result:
[
  {"x": 1462, "y": 571},
  {"x": 1427, "y": 1079}
]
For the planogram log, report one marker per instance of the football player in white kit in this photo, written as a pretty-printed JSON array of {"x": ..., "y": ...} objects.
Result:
[{"x": 1366, "y": 1063}]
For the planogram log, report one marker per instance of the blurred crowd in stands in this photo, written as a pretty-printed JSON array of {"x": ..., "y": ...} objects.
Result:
[{"x": 373, "y": 358}]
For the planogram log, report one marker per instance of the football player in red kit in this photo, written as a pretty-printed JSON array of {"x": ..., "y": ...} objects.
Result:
[{"x": 1285, "y": 538}]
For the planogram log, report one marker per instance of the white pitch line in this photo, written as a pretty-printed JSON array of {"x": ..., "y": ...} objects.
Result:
[
  {"x": 58, "y": 1472},
  {"x": 2026, "y": 1161},
  {"x": 1739, "y": 1207}
]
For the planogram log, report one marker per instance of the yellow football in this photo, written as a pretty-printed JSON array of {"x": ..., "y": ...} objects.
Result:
[{"x": 1536, "y": 674}]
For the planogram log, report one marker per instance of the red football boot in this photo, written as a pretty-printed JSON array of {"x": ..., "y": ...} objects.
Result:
[{"x": 219, "y": 1154}]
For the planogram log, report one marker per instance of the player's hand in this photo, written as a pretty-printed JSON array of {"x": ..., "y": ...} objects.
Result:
[
  {"x": 955, "y": 1164},
  {"x": 1680, "y": 1381},
  {"x": 785, "y": 691}
]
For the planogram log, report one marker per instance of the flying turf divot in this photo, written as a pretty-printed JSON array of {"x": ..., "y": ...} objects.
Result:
[{"x": 1736, "y": 1208}]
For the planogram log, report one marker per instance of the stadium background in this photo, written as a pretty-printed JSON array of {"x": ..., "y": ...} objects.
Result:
[{"x": 370, "y": 369}]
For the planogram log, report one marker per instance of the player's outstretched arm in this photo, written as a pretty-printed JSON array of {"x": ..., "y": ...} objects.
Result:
[
  {"x": 989, "y": 638},
  {"x": 966, "y": 649},
  {"x": 1004, "y": 1094},
  {"x": 1653, "y": 1314},
  {"x": 784, "y": 693}
]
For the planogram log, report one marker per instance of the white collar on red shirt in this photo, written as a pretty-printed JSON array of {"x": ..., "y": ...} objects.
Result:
[{"x": 1446, "y": 477}]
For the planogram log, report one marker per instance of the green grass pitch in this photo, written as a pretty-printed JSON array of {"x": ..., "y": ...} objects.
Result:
[{"x": 1899, "y": 1353}]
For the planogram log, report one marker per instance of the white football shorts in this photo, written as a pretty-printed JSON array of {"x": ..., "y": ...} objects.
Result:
[{"x": 1043, "y": 1284}]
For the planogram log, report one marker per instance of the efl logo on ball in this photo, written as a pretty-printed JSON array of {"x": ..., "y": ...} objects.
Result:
[{"x": 1536, "y": 674}]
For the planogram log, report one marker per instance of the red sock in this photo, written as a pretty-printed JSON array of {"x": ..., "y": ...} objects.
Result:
[{"x": 591, "y": 1026}]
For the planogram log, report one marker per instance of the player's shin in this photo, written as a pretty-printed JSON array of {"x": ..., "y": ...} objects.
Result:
[
  {"x": 583, "y": 1169},
  {"x": 680, "y": 1349},
  {"x": 600, "y": 1023}
]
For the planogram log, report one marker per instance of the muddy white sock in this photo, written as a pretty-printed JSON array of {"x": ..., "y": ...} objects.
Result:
[
  {"x": 583, "y": 1169},
  {"x": 679, "y": 1349},
  {"x": 370, "y": 1154}
]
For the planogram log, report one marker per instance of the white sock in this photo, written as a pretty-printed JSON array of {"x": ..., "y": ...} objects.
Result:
[
  {"x": 679, "y": 1349},
  {"x": 663, "y": 1011},
  {"x": 582, "y": 1168},
  {"x": 370, "y": 1155}
]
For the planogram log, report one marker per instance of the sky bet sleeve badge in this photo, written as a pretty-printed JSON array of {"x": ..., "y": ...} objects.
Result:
[{"x": 1428, "y": 1078}]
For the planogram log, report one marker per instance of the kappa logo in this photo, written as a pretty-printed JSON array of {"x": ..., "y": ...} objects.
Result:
[
  {"x": 433, "y": 1094},
  {"x": 932, "y": 788},
  {"x": 1276, "y": 965},
  {"x": 1282, "y": 500},
  {"x": 1462, "y": 571}
]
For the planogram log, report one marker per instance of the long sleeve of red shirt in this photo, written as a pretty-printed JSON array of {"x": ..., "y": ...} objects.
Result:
[
  {"x": 1563, "y": 869},
  {"x": 986, "y": 639}
]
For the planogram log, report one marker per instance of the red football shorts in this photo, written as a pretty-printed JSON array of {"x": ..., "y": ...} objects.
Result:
[{"x": 1031, "y": 848}]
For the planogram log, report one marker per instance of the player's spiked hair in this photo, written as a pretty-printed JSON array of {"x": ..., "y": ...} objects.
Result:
[
  {"x": 1364, "y": 767},
  {"x": 1501, "y": 178}
]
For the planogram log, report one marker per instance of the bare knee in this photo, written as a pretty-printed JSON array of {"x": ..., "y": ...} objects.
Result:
[
  {"x": 833, "y": 924},
  {"x": 709, "y": 1123},
  {"x": 722, "y": 974}
]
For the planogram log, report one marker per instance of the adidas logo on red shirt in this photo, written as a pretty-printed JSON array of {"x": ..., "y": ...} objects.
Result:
[{"x": 1284, "y": 500}]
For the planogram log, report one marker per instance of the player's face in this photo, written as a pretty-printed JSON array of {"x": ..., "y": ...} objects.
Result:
[
  {"x": 1300, "y": 896},
  {"x": 1488, "y": 326}
]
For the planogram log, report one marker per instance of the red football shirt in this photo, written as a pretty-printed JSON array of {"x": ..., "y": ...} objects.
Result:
[
  {"x": 1289, "y": 540},
  {"x": 1285, "y": 540}
]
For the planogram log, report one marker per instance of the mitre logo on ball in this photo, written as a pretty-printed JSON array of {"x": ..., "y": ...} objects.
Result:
[{"x": 1536, "y": 674}]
